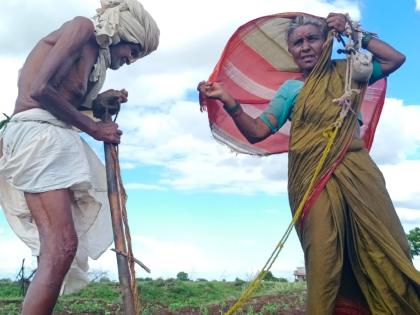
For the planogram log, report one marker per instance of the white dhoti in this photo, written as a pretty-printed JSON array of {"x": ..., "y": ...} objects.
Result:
[{"x": 40, "y": 153}]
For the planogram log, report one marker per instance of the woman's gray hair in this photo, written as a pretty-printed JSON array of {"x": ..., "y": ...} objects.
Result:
[{"x": 301, "y": 20}]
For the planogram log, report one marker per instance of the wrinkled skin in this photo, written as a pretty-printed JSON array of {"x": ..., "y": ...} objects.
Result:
[
  {"x": 305, "y": 45},
  {"x": 55, "y": 78}
]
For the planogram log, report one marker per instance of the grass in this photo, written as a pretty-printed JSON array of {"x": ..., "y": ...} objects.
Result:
[{"x": 157, "y": 295}]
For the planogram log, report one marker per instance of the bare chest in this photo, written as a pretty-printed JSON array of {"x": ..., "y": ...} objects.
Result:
[{"x": 72, "y": 81}]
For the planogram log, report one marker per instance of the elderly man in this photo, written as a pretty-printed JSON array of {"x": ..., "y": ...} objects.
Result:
[{"x": 52, "y": 186}]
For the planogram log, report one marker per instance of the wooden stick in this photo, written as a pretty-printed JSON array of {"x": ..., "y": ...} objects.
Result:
[
  {"x": 138, "y": 262},
  {"x": 118, "y": 227}
]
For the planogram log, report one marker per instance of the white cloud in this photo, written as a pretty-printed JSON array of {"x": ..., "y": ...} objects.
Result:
[
  {"x": 159, "y": 128},
  {"x": 153, "y": 90},
  {"x": 398, "y": 132},
  {"x": 402, "y": 183},
  {"x": 179, "y": 140},
  {"x": 191, "y": 41},
  {"x": 141, "y": 186},
  {"x": 409, "y": 216},
  {"x": 396, "y": 150},
  {"x": 418, "y": 5},
  {"x": 199, "y": 19},
  {"x": 8, "y": 82},
  {"x": 166, "y": 258},
  {"x": 23, "y": 23},
  {"x": 127, "y": 166}
]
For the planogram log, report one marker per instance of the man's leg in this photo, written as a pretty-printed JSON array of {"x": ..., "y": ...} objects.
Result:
[{"x": 58, "y": 239}]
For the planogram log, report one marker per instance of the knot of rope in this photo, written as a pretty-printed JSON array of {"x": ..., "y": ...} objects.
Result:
[
  {"x": 345, "y": 101},
  {"x": 350, "y": 49},
  {"x": 332, "y": 129}
]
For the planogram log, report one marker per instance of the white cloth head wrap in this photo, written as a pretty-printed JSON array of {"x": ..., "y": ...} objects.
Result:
[{"x": 115, "y": 21}]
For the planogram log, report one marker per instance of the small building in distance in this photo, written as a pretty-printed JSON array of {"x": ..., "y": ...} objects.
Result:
[{"x": 300, "y": 274}]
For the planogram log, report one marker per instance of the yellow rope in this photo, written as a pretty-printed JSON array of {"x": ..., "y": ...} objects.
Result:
[{"x": 330, "y": 133}]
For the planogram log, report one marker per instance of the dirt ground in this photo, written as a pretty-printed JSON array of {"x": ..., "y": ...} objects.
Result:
[{"x": 284, "y": 305}]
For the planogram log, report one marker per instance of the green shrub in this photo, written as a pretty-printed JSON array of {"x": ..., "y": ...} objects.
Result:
[{"x": 183, "y": 276}]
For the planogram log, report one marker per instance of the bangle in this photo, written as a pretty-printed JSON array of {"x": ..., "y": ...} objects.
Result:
[
  {"x": 232, "y": 110},
  {"x": 367, "y": 37}
]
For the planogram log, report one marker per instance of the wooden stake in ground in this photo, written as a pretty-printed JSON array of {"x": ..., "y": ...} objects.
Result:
[{"x": 125, "y": 259}]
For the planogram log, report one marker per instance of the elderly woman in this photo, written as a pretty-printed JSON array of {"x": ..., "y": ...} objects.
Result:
[
  {"x": 52, "y": 185},
  {"x": 356, "y": 253}
]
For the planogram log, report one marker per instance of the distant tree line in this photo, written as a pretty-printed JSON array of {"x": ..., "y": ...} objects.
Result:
[{"x": 413, "y": 237}]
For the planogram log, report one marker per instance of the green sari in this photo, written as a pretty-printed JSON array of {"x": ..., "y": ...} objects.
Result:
[{"x": 354, "y": 245}]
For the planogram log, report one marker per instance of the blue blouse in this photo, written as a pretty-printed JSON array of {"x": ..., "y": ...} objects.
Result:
[{"x": 283, "y": 102}]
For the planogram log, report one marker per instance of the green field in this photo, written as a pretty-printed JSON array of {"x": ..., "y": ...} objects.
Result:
[{"x": 171, "y": 296}]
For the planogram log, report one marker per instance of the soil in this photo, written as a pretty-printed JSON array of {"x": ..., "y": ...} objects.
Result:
[{"x": 286, "y": 305}]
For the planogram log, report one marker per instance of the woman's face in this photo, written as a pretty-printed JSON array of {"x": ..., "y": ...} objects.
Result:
[{"x": 305, "y": 44}]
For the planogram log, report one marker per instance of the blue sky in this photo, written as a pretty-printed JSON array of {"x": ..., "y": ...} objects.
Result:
[
  {"x": 395, "y": 22},
  {"x": 193, "y": 205}
]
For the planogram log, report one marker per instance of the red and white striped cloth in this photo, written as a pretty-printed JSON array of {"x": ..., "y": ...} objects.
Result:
[{"x": 254, "y": 63}]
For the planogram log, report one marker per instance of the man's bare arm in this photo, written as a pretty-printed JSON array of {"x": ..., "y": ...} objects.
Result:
[
  {"x": 73, "y": 35},
  {"x": 72, "y": 38},
  {"x": 101, "y": 131}
]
